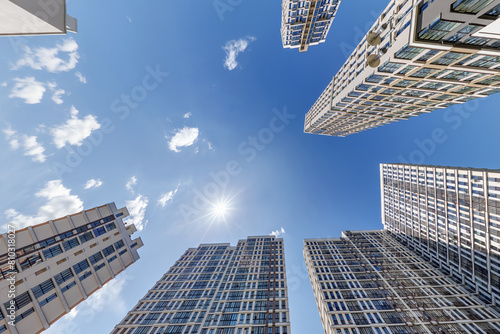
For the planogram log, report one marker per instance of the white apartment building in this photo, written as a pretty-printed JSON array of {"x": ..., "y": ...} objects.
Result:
[
  {"x": 218, "y": 289},
  {"x": 60, "y": 263},
  {"x": 367, "y": 282},
  {"x": 28, "y": 17},
  {"x": 419, "y": 56},
  {"x": 306, "y": 22},
  {"x": 450, "y": 217}
]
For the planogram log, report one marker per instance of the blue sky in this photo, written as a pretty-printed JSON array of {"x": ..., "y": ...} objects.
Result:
[{"x": 162, "y": 112}]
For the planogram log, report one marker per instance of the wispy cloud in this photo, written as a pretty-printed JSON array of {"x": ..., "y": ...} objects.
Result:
[
  {"x": 29, "y": 144},
  {"x": 167, "y": 197},
  {"x": 187, "y": 115},
  {"x": 129, "y": 19},
  {"x": 183, "y": 138},
  {"x": 28, "y": 89},
  {"x": 278, "y": 232},
  {"x": 131, "y": 183},
  {"x": 93, "y": 183},
  {"x": 81, "y": 77},
  {"x": 209, "y": 144},
  {"x": 75, "y": 130},
  {"x": 137, "y": 209},
  {"x": 59, "y": 203},
  {"x": 48, "y": 58},
  {"x": 233, "y": 48},
  {"x": 56, "y": 96}
]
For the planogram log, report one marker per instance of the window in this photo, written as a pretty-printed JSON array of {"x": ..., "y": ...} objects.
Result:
[
  {"x": 99, "y": 231},
  {"x": 390, "y": 67},
  {"x": 43, "y": 288},
  {"x": 96, "y": 258},
  {"x": 86, "y": 237},
  {"x": 108, "y": 250},
  {"x": 67, "y": 287},
  {"x": 48, "y": 299},
  {"x": 470, "y": 6},
  {"x": 438, "y": 30},
  {"x": 52, "y": 251},
  {"x": 110, "y": 226},
  {"x": 84, "y": 276},
  {"x": 63, "y": 276},
  {"x": 71, "y": 243},
  {"x": 24, "y": 315},
  {"x": 449, "y": 58},
  {"x": 20, "y": 301},
  {"x": 47, "y": 242},
  {"x": 119, "y": 244},
  {"x": 27, "y": 262},
  {"x": 408, "y": 52},
  {"x": 81, "y": 266}
]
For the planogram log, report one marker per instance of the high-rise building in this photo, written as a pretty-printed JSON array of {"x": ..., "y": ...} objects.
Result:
[
  {"x": 59, "y": 263},
  {"x": 28, "y": 17},
  {"x": 418, "y": 56},
  {"x": 218, "y": 289},
  {"x": 368, "y": 282},
  {"x": 450, "y": 217},
  {"x": 305, "y": 23}
]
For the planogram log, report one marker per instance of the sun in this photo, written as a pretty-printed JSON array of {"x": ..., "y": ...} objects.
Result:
[{"x": 220, "y": 208}]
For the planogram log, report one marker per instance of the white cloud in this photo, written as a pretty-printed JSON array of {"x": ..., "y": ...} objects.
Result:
[
  {"x": 166, "y": 197},
  {"x": 3, "y": 84},
  {"x": 81, "y": 77},
  {"x": 137, "y": 209},
  {"x": 32, "y": 91},
  {"x": 28, "y": 89},
  {"x": 131, "y": 183},
  {"x": 183, "y": 138},
  {"x": 187, "y": 115},
  {"x": 209, "y": 144},
  {"x": 59, "y": 203},
  {"x": 75, "y": 130},
  {"x": 233, "y": 48},
  {"x": 92, "y": 183},
  {"x": 29, "y": 144},
  {"x": 129, "y": 19},
  {"x": 278, "y": 232},
  {"x": 56, "y": 96},
  {"x": 47, "y": 58},
  {"x": 108, "y": 298}
]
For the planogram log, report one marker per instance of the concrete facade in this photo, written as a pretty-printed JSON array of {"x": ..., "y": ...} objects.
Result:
[
  {"x": 419, "y": 56},
  {"x": 60, "y": 263}
]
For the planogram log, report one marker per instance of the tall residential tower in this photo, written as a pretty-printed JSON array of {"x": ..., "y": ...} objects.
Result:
[
  {"x": 419, "y": 56},
  {"x": 307, "y": 22},
  {"x": 449, "y": 216},
  {"x": 367, "y": 282},
  {"x": 60, "y": 263},
  {"x": 218, "y": 289}
]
